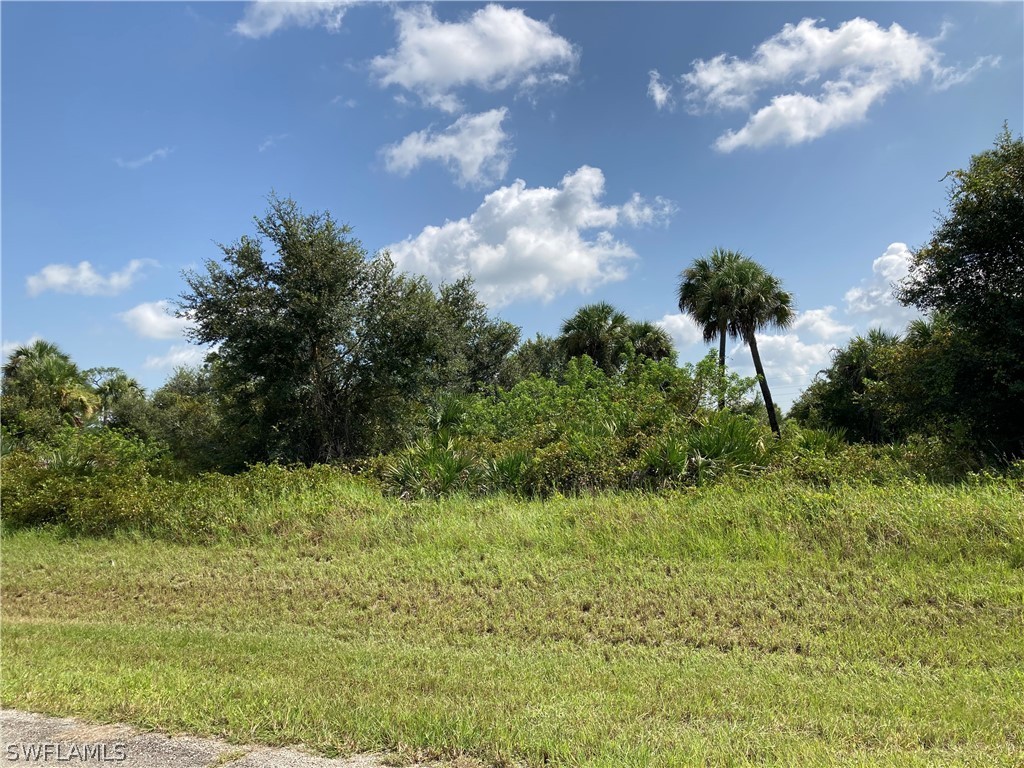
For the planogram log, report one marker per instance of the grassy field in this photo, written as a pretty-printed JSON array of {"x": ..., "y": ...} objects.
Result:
[{"x": 766, "y": 624}]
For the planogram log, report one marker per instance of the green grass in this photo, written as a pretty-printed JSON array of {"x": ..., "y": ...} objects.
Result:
[{"x": 761, "y": 624}]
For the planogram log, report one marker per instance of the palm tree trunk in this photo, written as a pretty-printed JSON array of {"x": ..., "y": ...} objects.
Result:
[
  {"x": 721, "y": 367},
  {"x": 769, "y": 404}
]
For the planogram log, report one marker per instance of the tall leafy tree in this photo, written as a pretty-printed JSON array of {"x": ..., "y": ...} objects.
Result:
[
  {"x": 477, "y": 345},
  {"x": 852, "y": 393},
  {"x": 541, "y": 356},
  {"x": 707, "y": 295},
  {"x": 320, "y": 348},
  {"x": 972, "y": 269},
  {"x": 972, "y": 272}
]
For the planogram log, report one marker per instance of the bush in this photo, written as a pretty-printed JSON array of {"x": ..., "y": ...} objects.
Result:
[
  {"x": 74, "y": 477},
  {"x": 99, "y": 482},
  {"x": 590, "y": 432}
]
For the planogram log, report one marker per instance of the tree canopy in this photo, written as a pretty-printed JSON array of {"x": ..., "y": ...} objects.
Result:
[
  {"x": 729, "y": 294},
  {"x": 319, "y": 349}
]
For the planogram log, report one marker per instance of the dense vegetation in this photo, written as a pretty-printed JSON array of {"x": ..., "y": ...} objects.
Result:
[
  {"x": 322, "y": 353},
  {"x": 958, "y": 374}
]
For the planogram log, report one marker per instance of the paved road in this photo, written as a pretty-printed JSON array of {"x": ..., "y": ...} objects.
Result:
[{"x": 30, "y": 739}]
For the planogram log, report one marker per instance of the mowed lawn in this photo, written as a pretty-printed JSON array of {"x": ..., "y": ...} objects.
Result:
[{"x": 757, "y": 624}]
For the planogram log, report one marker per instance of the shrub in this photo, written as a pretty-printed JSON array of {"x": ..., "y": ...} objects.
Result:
[
  {"x": 432, "y": 467},
  {"x": 74, "y": 478}
]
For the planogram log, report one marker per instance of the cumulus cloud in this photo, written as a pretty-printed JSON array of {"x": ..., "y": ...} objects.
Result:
[
  {"x": 821, "y": 323},
  {"x": 873, "y": 299},
  {"x": 178, "y": 356},
  {"x": 155, "y": 320},
  {"x": 848, "y": 69},
  {"x": 84, "y": 280},
  {"x": 682, "y": 328},
  {"x": 474, "y": 149},
  {"x": 659, "y": 91},
  {"x": 524, "y": 243},
  {"x": 265, "y": 17},
  {"x": 493, "y": 49},
  {"x": 156, "y": 154}
]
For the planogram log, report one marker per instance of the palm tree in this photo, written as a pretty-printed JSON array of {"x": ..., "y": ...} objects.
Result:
[
  {"x": 650, "y": 340},
  {"x": 758, "y": 302},
  {"x": 27, "y": 356},
  {"x": 708, "y": 296},
  {"x": 113, "y": 387},
  {"x": 47, "y": 379},
  {"x": 596, "y": 330},
  {"x": 923, "y": 331}
]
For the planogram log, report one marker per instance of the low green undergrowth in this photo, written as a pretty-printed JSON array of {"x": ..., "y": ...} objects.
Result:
[{"x": 101, "y": 483}]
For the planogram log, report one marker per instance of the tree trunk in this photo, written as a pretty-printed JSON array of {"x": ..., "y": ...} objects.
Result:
[
  {"x": 769, "y": 404},
  {"x": 721, "y": 366}
]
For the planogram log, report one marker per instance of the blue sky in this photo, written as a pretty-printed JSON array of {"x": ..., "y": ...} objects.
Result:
[{"x": 561, "y": 153}]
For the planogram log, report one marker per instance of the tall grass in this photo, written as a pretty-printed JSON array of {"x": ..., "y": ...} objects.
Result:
[{"x": 757, "y": 621}]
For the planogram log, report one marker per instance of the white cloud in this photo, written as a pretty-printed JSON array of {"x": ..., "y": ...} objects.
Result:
[
  {"x": 265, "y": 17},
  {"x": 155, "y": 320},
  {"x": 84, "y": 280},
  {"x": 178, "y": 356},
  {"x": 821, "y": 323},
  {"x": 638, "y": 212},
  {"x": 683, "y": 329},
  {"x": 947, "y": 77},
  {"x": 270, "y": 141},
  {"x": 657, "y": 90},
  {"x": 873, "y": 299},
  {"x": 524, "y": 243},
  {"x": 156, "y": 154},
  {"x": 494, "y": 49},
  {"x": 857, "y": 65},
  {"x": 474, "y": 148},
  {"x": 795, "y": 118}
]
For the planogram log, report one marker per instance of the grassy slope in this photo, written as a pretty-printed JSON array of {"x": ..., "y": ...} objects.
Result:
[{"x": 762, "y": 625}]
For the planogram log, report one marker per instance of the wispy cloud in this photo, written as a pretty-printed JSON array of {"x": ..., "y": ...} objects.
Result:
[
  {"x": 873, "y": 299},
  {"x": 84, "y": 280},
  {"x": 683, "y": 329},
  {"x": 270, "y": 141},
  {"x": 659, "y": 91},
  {"x": 156, "y": 154},
  {"x": 265, "y": 17},
  {"x": 178, "y": 356}
]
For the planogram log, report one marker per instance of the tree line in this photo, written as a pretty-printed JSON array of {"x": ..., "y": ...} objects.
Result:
[{"x": 321, "y": 352}]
